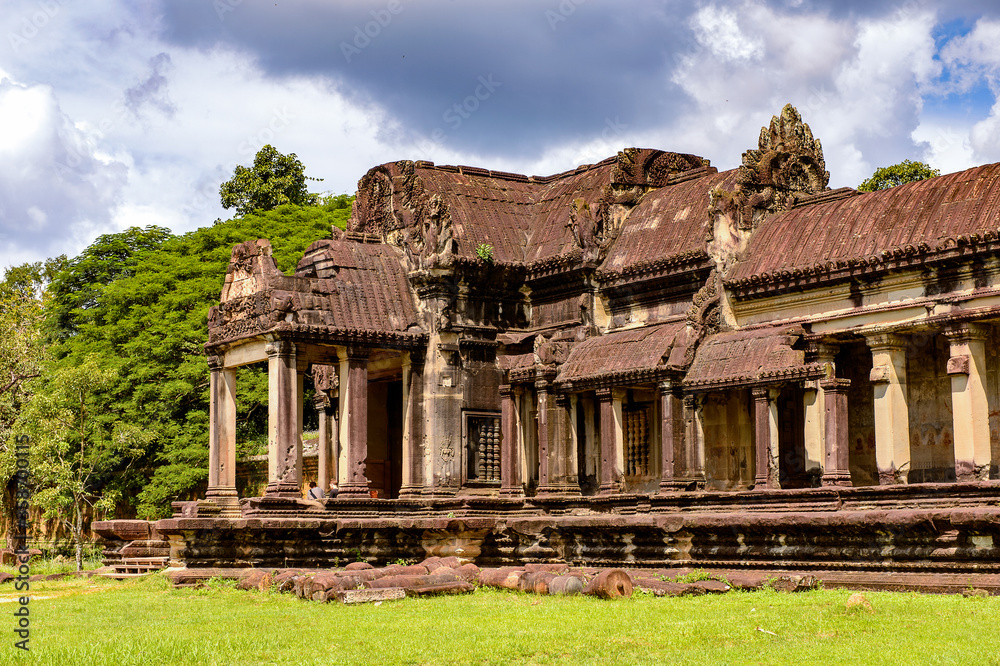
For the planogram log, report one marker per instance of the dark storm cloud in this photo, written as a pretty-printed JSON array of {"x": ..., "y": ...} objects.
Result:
[
  {"x": 152, "y": 90},
  {"x": 556, "y": 70}
]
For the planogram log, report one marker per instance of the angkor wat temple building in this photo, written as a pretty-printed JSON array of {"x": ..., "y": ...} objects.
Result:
[{"x": 642, "y": 359}]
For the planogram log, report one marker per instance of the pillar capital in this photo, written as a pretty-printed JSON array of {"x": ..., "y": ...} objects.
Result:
[
  {"x": 279, "y": 348},
  {"x": 604, "y": 394},
  {"x": 562, "y": 400},
  {"x": 506, "y": 391},
  {"x": 542, "y": 385},
  {"x": 967, "y": 332},
  {"x": 760, "y": 393},
  {"x": 886, "y": 342},
  {"x": 356, "y": 353},
  {"x": 215, "y": 363},
  {"x": 835, "y": 385},
  {"x": 321, "y": 401}
]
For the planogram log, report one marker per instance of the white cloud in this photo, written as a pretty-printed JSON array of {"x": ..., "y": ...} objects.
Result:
[
  {"x": 718, "y": 30},
  {"x": 948, "y": 147},
  {"x": 972, "y": 59},
  {"x": 54, "y": 188}
]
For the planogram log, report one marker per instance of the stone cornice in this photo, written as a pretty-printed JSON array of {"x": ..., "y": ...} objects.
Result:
[
  {"x": 764, "y": 378},
  {"x": 917, "y": 256}
]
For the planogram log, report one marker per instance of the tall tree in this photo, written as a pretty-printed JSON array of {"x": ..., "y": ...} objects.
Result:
[
  {"x": 905, "y": 172},
  {"x": 22, "y": 352},
  {"x": 76, "y": 289},
  {"x": 272, "y": 181},
  {"x": 77, "y": 444},
  {"x": 150, "y": 324}
]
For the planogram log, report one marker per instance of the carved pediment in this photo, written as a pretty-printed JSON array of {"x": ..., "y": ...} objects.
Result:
[{"x": 787, "y": 164}]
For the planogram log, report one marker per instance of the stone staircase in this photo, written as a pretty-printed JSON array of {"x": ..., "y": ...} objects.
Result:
[
  {"x": 134, "y": 567},
  {"x": 132, "y": 548}
]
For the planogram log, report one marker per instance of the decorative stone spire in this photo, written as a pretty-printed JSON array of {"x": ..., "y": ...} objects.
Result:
[{"x": 788, "y": 164}]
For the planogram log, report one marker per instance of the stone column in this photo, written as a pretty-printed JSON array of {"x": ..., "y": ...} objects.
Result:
[
  {"x": 610, "y": 427},
  {"x": 284, "y": 445},
  {"x": 814, "y": 399},
  {"x": 694, "y": 445},
  {"x": 222, "y": 438},
  {"x": 670, "y": 406},
  {"x": 561, "y": 473},
  {"x": 765, "y": 431},
  {"x": 544, "y": 483},
  {"x": 892, "y": 419},
  {"x": 837, "y": 468},
  {"x": 970, "y": 407},
  {"x": 354, "y": 423},
  {"x": 324, "y": 463},
  {"x": 413, "y": 425},
  {"x": 510, "y": 463}
]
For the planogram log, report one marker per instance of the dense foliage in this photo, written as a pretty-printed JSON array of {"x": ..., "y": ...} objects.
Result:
[
  {"x": 131, "y": 313},
  {"x": 897, "y": 174},
  {"x": 273, "y": 180}
]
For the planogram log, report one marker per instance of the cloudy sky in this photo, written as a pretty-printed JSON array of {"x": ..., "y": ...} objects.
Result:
[{"x": 119, "y": 113}]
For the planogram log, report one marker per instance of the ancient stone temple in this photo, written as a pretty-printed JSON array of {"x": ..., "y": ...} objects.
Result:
[{"x": 639, "y": 360}]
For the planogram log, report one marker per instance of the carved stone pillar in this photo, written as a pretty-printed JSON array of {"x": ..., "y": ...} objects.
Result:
[
  {"x": 610, "y": 428},
  {"x": 284, "y": 446},
  {"x": 670, "y": 407},
  {"x": 413, "y": 425},
  {"x": 544, "y": 483},
  {"x": 560, "y": 476},
  {"x": 510, "y": 463},
  {"x": 837, "y": 469},
  {"x": 765, "y": 429},
  {"x": 355, "y": 421},
  {"x": 222, "y": 438},
  {"x": 970, "y": 407},
  {"x": 814, "y": 399},
  {"x": 892, "y": 419},
  {"x": 325, "y": 457},
  {"x": 694, "y": 444}
]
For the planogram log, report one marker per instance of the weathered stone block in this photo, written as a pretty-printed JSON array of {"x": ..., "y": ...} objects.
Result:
[{"x": 370, "y": 595}]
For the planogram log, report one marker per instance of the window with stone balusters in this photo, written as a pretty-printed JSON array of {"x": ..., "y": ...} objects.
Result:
[
  {"x": 636, "y": 426},
  {"x": 482, "y": 447}
]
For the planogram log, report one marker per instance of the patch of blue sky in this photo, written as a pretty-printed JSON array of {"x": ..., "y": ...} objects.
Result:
[{"x": 945, "y": 32}]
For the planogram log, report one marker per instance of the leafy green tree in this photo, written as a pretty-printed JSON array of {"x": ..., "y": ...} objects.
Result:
[
  {"x": 149, "y": 323},
  {"x": 272, "y": 181},
  {"x": 76, "y": 289},
  {"x": 906, "y": 171},
  {"x": 22, "y": 353},
  {"x": 77, "y": 444}
]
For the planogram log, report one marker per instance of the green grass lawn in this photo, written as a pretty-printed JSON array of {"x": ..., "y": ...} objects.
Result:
[{"x": 147, "y": 622}]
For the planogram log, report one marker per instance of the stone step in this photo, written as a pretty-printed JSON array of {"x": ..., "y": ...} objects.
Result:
[{"x": 117, "y": 575}]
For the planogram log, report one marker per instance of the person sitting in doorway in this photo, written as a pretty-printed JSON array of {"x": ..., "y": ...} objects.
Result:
[{"x": 315, "y": 493}]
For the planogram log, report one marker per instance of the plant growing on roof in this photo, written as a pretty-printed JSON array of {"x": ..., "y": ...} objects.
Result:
[{"x": 485, "y": 252}]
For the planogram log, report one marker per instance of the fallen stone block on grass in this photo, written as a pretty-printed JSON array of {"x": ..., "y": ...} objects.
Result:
[
  {"x": 667, "y": 588},
  {"x": 255, "y": 579},
  {"x": 790, "y": 583},
  {"x": 566, "y": 585},
  {"x": 453, "y": 587},
  {"x": 610, "y": 584},
  {"x": 369, "y": 595}
]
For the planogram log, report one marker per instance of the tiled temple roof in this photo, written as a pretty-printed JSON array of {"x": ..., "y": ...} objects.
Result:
[
  {"x": 357, "y": 285},
  {"x": 526, "y": 219},
  {"x": 625, "y": 356},
  {"x": 340, "y": 290},
  {"x": 894, "y": 228},
  {"x": 749, "y": 358},
  {"x": 667, "y": 227}
]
